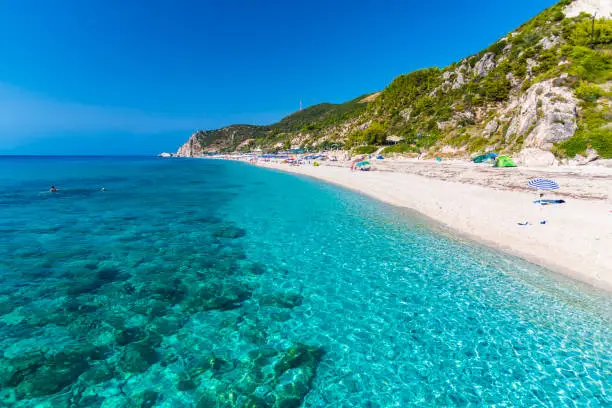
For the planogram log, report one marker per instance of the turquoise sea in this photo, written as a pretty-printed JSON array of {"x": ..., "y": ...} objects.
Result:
[{"x": 198, "y": 283}]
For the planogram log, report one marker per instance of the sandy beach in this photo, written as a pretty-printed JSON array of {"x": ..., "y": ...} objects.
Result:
[{"x": 486, "y": 204}]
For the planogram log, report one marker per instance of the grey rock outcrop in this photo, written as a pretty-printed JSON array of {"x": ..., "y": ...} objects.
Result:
[
  {"x": 459, "y": 81},
  {"x": 406, "y": 114},
  {"x": 191, "y": 148},
  {"x": 546, "y": 115},
  {"x": 485, "y": 64},
  {"x": 548, "y": 42},
  {"x": 490, "y": 128},
  {"x": 580, "y": 160},
  {"x": 536, "y": 158},
  {"x": 444, "y": 124},
  {"x": 602, "y": 163},
  {"x": 514, "y": 80},
  {"x": 531, "y": 63},
  {"x": 603, "y": 8},
  {"x": 465, "y": 116},
  {"x": 592, "y": 155}
]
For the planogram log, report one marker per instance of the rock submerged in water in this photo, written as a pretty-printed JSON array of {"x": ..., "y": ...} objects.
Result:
[
  {"x": 285, "y": 300},
  {"x": 300, "y": 355},
  {"x": 265, "y": 377},
  {"x": 254, "y": 268},
  {"x": 217, "y": 296},
  {"x": 51, "y": 378},
  {"x": 229, "y": 231},
  {"x": 98, "y": 373},
  {"x": 37, "y": 374},
  {"x": 129, "y": 335},
  {"x": 166, "y": 325},
  {"x": 296, "y": 371},
  {"x": 147, "y": 399},
  {"x": 138, "y": 357}
]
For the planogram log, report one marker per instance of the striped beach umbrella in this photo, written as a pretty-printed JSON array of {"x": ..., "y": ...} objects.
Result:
[{"x": 543, "y": 184}]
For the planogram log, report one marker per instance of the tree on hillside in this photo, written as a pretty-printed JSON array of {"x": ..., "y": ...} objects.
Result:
[{"x": 375, "y": 134}]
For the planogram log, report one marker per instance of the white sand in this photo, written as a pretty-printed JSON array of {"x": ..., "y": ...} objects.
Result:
[{"x": 576, "y": 240}]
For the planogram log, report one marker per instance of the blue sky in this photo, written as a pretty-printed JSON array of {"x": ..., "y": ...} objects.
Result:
[{"x": 138, "y": 77}]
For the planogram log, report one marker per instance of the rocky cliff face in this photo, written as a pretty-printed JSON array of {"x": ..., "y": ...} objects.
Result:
[
  {"x": 603, "y": 8},
  {"x": 545, "y": 114},
  {"x": 191, "y": 148}
]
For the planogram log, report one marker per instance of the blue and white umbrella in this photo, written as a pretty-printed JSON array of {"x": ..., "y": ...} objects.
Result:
[{"x": 543, "y": 184}]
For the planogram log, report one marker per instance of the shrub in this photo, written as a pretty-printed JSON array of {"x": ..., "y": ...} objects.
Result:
[
  {"x": 601, "y": 140},
  {"x": 495, "y": 88},
  {"x": 503, "y": 68},
  {"x": 497, "y": 47},
  {"x": 519, "y": 69},
  {"x": 355, "y": 138},
  {"x": 588, "y": 92},
  {"x": 591, "y": 133},
  {"x": 375, "y": 134},
  {"x": 590, "y": 65},
  {"x": 466, "y": 121},
  {"x": 444, "y": 113},
  {"x": 477, "y": 144},
  {"x": 557, "y": 15},
  {"x": 529, "y": 53},
  {"x": 308, "y": 127},
  {"x": 364, "y": 149},
  {"x": 400, "y": 148},
  {"x": 576, "y": 144},
  {"x": 547, "y": 60},
  {"x": 459, "y": 140},
  {"x": 526, "y": 85},
  {"x": 582, "y": 33}
]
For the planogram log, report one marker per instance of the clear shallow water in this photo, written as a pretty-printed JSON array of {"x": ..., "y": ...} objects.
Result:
[{"x": 215, "y": 284}]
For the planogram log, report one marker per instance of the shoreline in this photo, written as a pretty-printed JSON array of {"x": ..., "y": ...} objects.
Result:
[{"x": 571, "y": 243}]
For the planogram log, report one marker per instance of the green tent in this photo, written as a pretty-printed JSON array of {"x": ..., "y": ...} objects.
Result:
[{"x": 504, "y": 161}]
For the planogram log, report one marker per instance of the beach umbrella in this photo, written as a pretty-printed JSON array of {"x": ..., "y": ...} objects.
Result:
[{"x": 543, "y": 184}]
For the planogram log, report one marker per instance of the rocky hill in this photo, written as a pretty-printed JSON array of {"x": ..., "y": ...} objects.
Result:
[
  {"x": 297, "y": 129},
  {"x": 542, "y": 93}
]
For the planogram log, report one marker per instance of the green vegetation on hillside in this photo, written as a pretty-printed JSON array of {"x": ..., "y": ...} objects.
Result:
[
  {"x": 399, "y": 148},
  {"x": 432, "y": 107},
  {"x": 310, "y": 120},
  {"x": 321, "y": 116},
  {"x": 589, "y": 53},
  {"x": 364, "y": 150},
  {"x": 375, "y": 134}
]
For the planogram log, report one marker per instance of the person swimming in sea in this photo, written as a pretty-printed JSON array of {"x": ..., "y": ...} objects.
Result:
[{"x": 53, "y": 189}]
